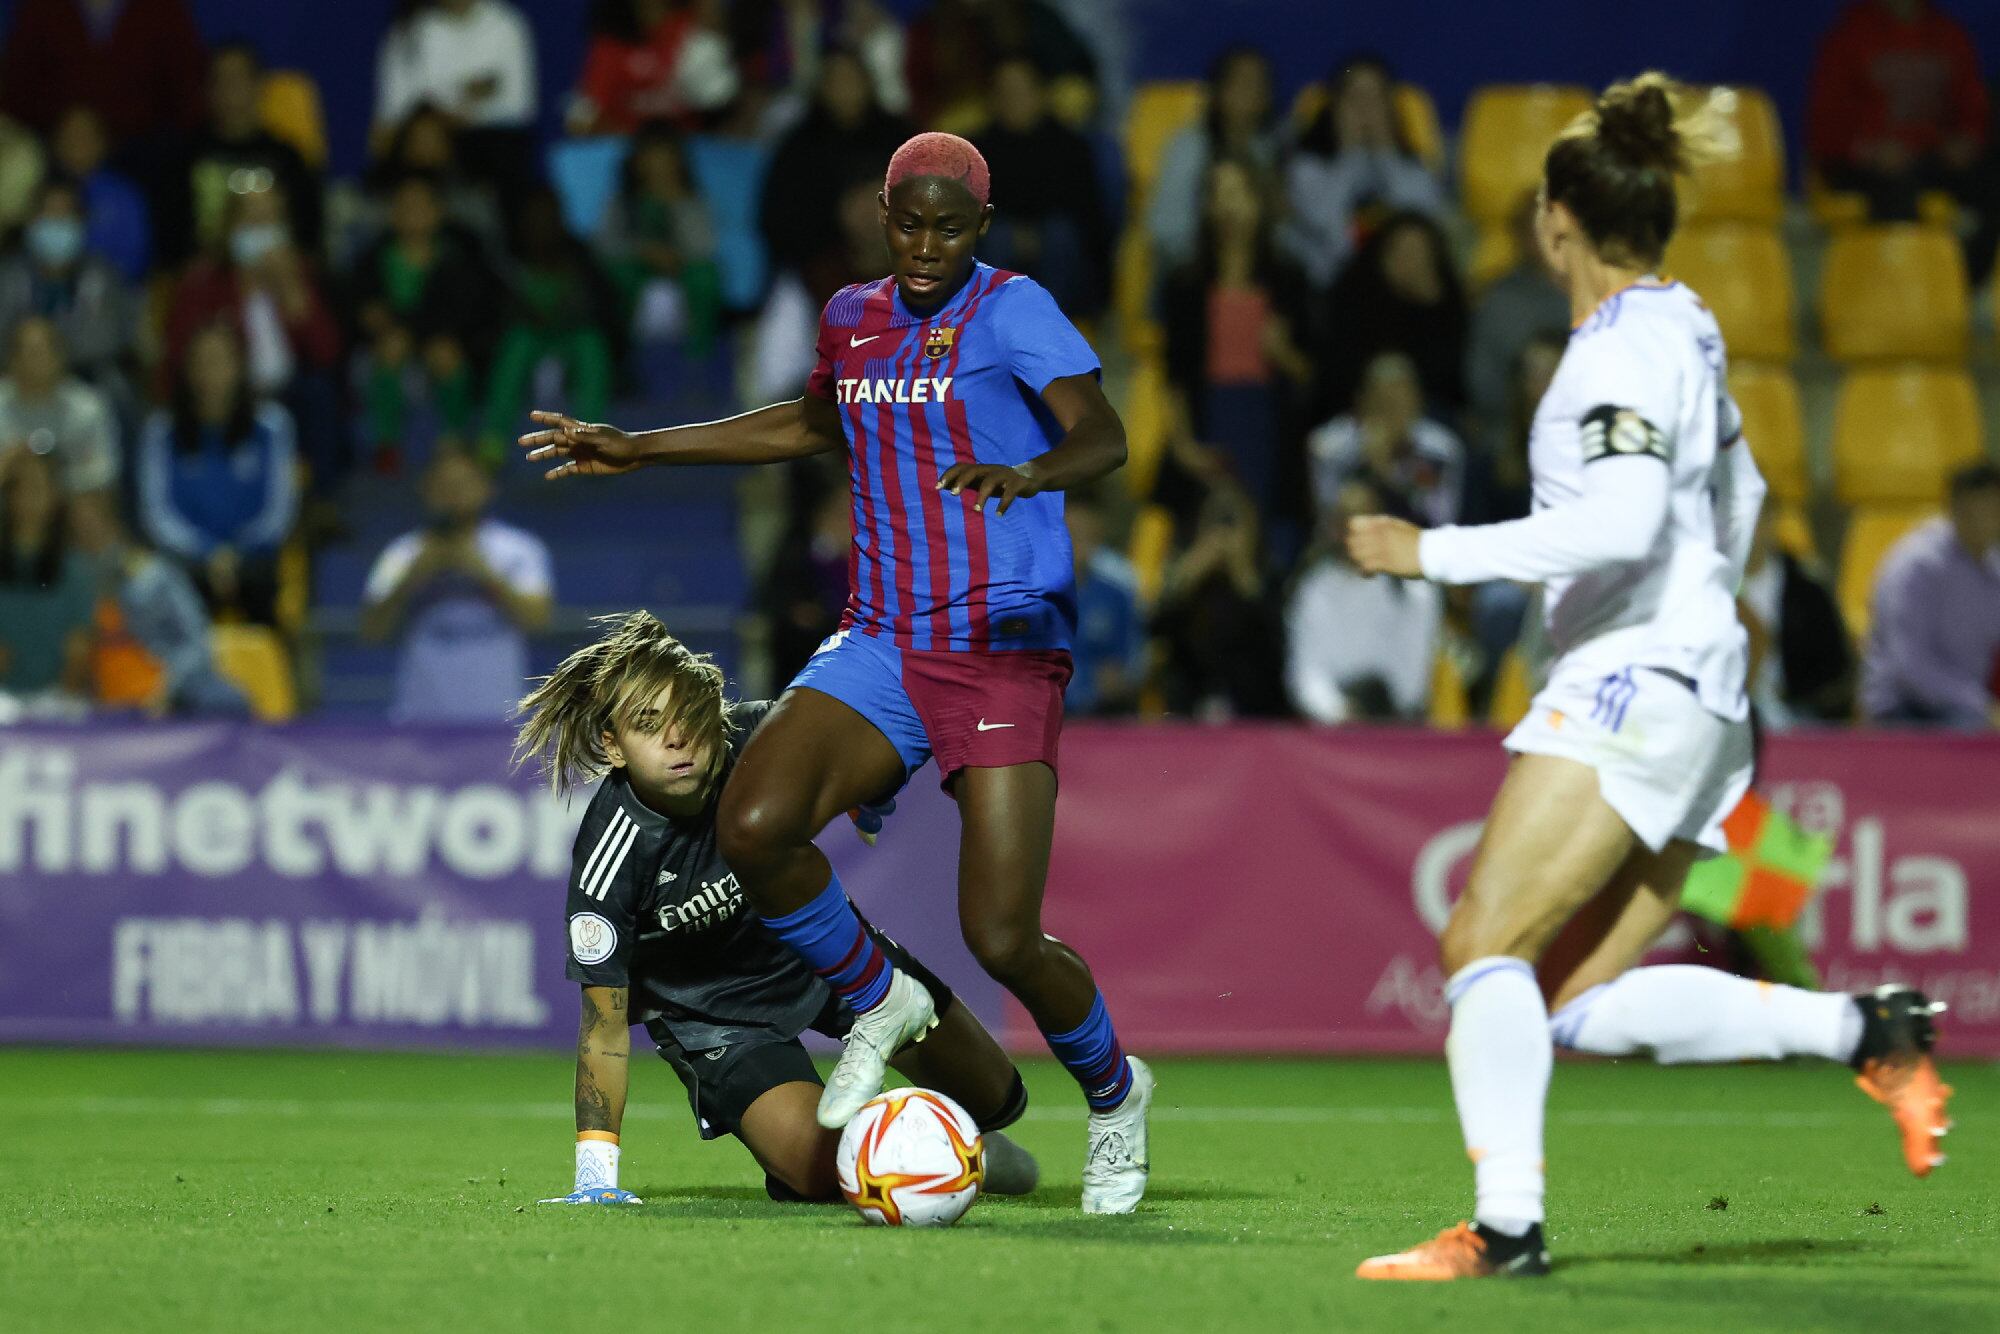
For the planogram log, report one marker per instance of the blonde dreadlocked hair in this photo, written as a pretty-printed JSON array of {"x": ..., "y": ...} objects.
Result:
[{"x": 609, "y": 683}]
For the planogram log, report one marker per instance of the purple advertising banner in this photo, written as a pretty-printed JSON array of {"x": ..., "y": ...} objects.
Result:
[
  {"x": 230, "y": 883},
  {"x": 1248, "y": 888}
]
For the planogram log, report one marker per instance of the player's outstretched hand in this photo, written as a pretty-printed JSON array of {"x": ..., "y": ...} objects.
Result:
[
  {"x": 988, "y": 481},
  {"x": 597, "y": 1195},
  {"x": 1379, "y": 544},
  {"x": 579, "y": 449},
  {"x": 868, "y": 818}
]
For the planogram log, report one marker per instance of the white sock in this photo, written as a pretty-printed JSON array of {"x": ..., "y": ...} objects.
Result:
[
  {"x": 1500, "y": 1055},
  {"x": 1684, "y": 1013}
]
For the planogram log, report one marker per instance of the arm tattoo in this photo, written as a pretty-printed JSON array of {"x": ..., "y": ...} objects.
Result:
[{"x": 594, "y": 1110}]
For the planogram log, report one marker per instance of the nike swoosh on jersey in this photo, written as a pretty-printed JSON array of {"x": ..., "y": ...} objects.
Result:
[
  {"x": 985, "y": 726},
  {"x": 852, "y": 341}
]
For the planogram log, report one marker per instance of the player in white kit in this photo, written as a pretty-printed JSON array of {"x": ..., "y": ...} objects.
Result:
[{"x": 1639, "y": 746}]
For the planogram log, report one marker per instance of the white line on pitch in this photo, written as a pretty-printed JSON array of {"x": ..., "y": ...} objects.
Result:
[{"x": 352, "y": 1109}]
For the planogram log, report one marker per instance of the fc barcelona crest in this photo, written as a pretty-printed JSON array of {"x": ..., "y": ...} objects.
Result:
[{"x": 938, "y": 342}]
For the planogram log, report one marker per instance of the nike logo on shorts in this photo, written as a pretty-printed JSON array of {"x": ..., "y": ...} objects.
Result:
[
  {"x": 985, "y": 726},
  {"x": 852, "y": 341}
]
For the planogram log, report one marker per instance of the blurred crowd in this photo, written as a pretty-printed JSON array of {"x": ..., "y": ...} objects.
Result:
[{"x": 209, "y": 341}]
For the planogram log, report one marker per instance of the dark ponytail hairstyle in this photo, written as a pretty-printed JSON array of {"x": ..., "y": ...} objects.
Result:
[{"x": 1614, "y": 167}]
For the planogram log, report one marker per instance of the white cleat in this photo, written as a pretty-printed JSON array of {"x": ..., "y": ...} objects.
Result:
[
  {"x": 906, "y": 1012},
  {"x": 1114, "y": 1171}
]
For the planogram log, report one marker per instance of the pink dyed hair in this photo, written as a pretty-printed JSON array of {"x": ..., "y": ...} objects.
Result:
[{"x": 946, "y": 155}]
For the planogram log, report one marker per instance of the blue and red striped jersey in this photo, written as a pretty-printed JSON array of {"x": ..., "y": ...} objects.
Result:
[{"x": 917, "y": 394}]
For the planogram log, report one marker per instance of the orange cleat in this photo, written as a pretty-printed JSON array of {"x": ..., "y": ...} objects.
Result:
[
  {"x": 1466, "y": 1251},
  {"x": 1908, "y": 1085},
  {"x": 1894, "y": 1068}
]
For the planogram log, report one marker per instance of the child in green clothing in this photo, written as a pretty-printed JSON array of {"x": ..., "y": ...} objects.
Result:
[
  {"x": 559, "y": 305},
  {"x": 423, "y": 302},
  {"x": 659, "y": 240}
]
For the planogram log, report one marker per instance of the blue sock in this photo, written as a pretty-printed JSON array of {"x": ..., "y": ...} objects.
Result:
[
  {"x": 1090, "y": 1052},
  {"x": 828, "y": 935}
]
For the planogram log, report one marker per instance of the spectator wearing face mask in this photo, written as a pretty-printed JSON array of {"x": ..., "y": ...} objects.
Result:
[
  {"x": 117, "y": 218},
  {"x": 57, "y": 276},
  {"x": 232, "y": 144},
  {"x": 256, "y": 279},
  {"x": 47, "y": 412},
  {"x": 1350, "y": 169}
]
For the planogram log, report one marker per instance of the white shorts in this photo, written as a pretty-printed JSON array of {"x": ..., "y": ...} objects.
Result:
[{"x": 1669, "y": 767}]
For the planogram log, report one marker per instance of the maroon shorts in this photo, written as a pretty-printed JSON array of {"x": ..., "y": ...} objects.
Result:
[
  {"x": 979, "y": 710},
  {"x": 989, "y": 710}
]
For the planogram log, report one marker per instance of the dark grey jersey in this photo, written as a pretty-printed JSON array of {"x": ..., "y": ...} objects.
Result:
[{"x": 653, "y": 907}]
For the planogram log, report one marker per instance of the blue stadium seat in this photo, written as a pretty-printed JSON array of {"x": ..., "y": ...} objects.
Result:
[
  {"x": 730, "y": 175},
  {"x": 585, "y": 175}
]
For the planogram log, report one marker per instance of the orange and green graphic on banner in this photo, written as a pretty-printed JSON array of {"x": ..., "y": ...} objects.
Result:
[{"x": 1770, "y": 873}]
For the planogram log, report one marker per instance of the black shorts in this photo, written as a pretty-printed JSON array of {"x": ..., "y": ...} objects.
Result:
[{"x": 722, "y": 1082}]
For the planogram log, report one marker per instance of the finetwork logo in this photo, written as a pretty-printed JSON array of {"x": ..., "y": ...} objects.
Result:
[{"x": 290, "y": 825}]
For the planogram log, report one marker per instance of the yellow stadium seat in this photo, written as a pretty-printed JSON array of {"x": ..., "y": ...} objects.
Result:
[
  {"x": 1743, "y": 273},
  {"x": 1507, "y": 132},
  {"x": 1512, "y": 692},
  {"x": 1774, "y": 426},
  {"x": 1747, "y": 186},
  {"x": 1899, "y": 432},
  {"x": 1159, "y": 112},
  {"x": 1835, "y": 209},
  {"x": 1792, "y": 530},
  {"x": 254, "y": 658},
  {"x": 1871, "y": 531},
  {"x": 1152, "y": 544},
  {"x": 289, "y": 107},
  {"x": 1449, "y": 709},
  {"x": 1132, "y": 293},
  {"x": 1493, "y": 254},
  {"x": 1895, "y": 292},
  {"x": 1418, "y": 115},
  {"x": 1145, "y": 414}
]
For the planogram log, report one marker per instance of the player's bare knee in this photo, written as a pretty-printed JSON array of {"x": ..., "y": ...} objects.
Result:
[
  {"x": 1007, "y": 950},
  {"x": 754, "y": 829}
]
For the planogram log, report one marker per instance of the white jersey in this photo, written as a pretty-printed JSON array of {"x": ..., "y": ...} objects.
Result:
[
  {"x": 1643, "y": 376},
  {"x": 1655, "y": 350}
]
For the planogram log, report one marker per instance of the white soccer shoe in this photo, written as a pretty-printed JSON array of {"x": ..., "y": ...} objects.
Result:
[
  {"x": 1114, "y": 1172},
  {"x": 906, "y": 1012}
]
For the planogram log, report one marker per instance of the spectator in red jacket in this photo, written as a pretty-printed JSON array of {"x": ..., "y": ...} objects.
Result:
[
  {"x": 1899, "y": 108},
  {"x": 137, "y": 62},
  {"x": 257, "y": 279},
  {"x": 650, "y": 60}
]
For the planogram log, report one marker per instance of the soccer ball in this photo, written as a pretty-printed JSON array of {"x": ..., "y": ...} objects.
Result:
[{"x": 911, "y": 1158}]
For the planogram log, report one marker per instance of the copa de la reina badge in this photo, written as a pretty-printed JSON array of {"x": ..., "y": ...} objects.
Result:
[{"x": 591, "y": 938}]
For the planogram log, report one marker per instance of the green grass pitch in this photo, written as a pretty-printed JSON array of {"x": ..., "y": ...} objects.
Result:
[{"x": 148, "y": 1190}]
